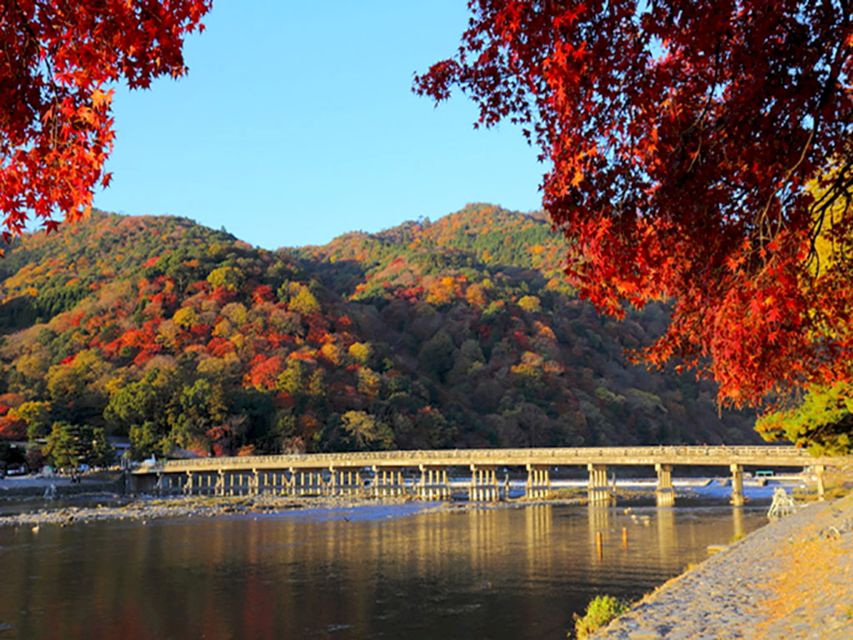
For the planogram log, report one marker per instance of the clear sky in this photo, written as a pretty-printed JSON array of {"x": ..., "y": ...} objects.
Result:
[{"x": 297, "y": 123}]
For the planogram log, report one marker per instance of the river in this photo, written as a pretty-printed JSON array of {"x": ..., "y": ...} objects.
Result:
[{"x": 403, "y": 571}]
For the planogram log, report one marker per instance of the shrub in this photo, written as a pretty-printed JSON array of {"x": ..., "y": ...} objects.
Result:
[{"x": 599, "y": 612}]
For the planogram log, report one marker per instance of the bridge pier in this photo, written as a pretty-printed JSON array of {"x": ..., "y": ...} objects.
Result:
[
  {"x": 597, "y": 491},
  {"x": 538, "y": 483},
  {"x": 818, "y": 470},
  {"x": 430, "y": 486},
  {"x": 664, "y": 493},
  {"x": 433, "y": 483},
  {"x": 341, "y": 481},
  {"x": 378, "y": 486},
  {"x": 737, "y": 485},
  {"x": 484, "y": 484}
]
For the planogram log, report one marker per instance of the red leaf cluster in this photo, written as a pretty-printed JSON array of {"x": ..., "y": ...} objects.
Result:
[
  {"x": 57, "y": 60},
  {"x": 696, "y": 151}
]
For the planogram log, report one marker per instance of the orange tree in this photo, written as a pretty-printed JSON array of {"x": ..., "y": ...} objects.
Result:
[
  {"x": 58, "y": 60},
  {"x": 697, "y": 152}
]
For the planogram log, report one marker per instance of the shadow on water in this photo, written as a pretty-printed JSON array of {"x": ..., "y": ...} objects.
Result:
[{"x": 490, "y": 573}]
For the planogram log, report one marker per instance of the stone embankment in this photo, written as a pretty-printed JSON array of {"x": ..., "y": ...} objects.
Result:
[{"x": 790, "y": 579}]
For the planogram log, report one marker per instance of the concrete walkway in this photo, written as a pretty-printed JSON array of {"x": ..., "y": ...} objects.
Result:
[{"x": 790, "y": 579}]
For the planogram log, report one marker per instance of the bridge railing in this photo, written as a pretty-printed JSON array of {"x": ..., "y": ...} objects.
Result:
[{"x": 714, "y": 454}]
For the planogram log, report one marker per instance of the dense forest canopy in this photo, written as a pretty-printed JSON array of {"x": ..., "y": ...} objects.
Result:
[{"x": 456, "y": 333}]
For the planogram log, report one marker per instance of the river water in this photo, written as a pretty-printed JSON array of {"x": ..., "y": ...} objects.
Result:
[{"x": 370, "y": 572}]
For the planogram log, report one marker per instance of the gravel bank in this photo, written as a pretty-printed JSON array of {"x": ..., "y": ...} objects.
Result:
[
  {"x": 189, "y": 507},
  {"x": 790, "y": 579}
]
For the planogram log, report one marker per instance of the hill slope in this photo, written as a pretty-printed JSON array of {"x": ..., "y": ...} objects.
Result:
[{"x": 454, "y": 333}]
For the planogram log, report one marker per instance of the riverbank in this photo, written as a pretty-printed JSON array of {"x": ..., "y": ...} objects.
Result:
[
  {"x": 144, "y": 509},
  {"x": 96, "y": 499},
  {"x": 790, "y": 579}
]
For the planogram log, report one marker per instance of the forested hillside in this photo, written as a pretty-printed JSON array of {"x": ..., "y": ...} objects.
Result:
[{"x": 457, "y": 333}]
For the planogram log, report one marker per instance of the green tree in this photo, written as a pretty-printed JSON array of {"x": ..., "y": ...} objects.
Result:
[
  {"x": 823, "y": 421},
  {"x": 101, "y": 453},
  {"x": 197, "y": 408},
  {"x": 66, "y": 446},
  {"x": 140, "y": 409},
  {"x": 292, "y": 379},
  {"x": 364, "y": 431},
  {"x": 227, "y": 277},
  {"x": 37, "y": 416},
  {"x": 437, "y": 354},
  {"x": 77, "y": 389}
]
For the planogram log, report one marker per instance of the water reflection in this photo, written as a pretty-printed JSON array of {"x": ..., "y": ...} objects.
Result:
[{"x": 492, "y": 573}]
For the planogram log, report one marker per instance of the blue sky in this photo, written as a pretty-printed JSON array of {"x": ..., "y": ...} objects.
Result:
[{"x": 297, "y": 123}]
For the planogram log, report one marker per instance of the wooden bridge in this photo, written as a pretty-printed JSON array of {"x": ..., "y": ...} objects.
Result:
[{"x": 434, "y": 474}]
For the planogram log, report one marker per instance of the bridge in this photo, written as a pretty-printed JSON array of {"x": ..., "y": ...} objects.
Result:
[{"x": 434, "y": 474}]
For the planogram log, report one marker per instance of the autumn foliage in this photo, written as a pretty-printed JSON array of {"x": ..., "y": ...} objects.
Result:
[
  {"x": 699, "y": 151},
  {"x": 58, "y": 61},
  {"x": 457, "y": 333}
]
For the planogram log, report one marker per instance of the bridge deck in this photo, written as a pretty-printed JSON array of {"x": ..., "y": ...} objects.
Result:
[{"x": 763, "y": 456}]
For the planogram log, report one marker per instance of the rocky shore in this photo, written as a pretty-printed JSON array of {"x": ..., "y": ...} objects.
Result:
[{"x": 790, "y": 579}]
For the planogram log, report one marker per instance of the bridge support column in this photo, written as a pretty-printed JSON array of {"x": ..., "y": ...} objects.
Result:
[
  {"x": 333, "y": 481},
  {"x": 737, "y": 485},
  {"x": 665, "y": 494},
  {"x": 254, "y": 483},
  {"x": 483, "y": 485},
  {"x": 429, "y": 484},
  {"x": 377, "y": 482},
  {"x": 188, "y": 484},
  {"x": 818, "y": 472},
  {"x": 597, "y": 490},
  {"x": 529, "y": 491},
  {"x": 538, "y": 482}
]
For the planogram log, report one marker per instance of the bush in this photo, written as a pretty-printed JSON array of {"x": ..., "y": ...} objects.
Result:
[{"x": 599, "y": 612}]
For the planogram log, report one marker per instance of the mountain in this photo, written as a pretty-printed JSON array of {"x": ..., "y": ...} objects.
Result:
[{"x": 456, "y": 333}]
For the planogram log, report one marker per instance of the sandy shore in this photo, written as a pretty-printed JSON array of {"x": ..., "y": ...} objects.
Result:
[{"x": 790, "y": 579}]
